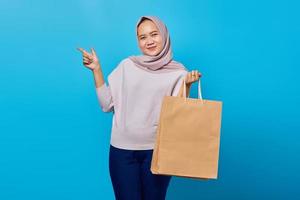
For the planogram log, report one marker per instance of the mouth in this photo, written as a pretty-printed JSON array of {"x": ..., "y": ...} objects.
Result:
[{"x": 151, "y": 48}]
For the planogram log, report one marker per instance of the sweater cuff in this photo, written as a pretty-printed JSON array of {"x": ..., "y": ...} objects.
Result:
[
  {"x": 103, "y": 89},
  {"x": 104, "y": 97}
]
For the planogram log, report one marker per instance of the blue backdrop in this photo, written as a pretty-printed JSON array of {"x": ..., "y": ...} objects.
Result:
[{"x": 54, "y": 138}]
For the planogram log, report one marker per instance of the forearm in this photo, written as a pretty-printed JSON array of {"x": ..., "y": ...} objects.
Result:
[
  {"x": 188, "y": 86},
  {"x": 98, "y": 77}
]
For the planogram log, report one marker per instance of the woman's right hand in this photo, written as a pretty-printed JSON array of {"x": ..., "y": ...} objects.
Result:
[{"x": 90, "y": 60}]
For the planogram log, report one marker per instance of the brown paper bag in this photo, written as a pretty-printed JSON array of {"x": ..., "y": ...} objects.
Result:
[{"x": 188, "y": 137}]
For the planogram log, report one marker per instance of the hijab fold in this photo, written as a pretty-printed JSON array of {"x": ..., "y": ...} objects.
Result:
[{"x": 163, "y": 62}]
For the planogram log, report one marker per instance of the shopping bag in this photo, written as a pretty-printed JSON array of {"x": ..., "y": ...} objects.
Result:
[{"x": 188, "y": 137}]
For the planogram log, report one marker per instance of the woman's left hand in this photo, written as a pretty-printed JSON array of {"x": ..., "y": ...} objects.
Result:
[{"x": 192, "y": 77}]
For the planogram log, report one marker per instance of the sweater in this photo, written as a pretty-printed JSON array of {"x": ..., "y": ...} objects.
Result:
[{"x": 135, "y": 98}]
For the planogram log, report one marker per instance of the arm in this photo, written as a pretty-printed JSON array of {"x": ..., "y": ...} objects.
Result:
[
  {"x": 188, "y": 86},
  {"x": 105, "y": 98},
  {"x": 190, "y": 78},
  {"x": 98, "y": 77},
  {"x": 103, "y": 91},
  {"x": 91, "y": 61}
]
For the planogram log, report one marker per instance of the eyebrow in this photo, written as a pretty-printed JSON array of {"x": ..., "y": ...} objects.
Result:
[{"x": 150, "y": 33}]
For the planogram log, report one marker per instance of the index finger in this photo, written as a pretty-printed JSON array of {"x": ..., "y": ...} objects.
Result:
[{"x": 82, "y": 50}]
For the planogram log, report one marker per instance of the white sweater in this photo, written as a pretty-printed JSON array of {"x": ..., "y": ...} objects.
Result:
[{"x": 135, "y": 97}]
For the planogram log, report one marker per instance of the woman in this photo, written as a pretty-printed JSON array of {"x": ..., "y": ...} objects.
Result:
[{"x": 134, "y": 95}]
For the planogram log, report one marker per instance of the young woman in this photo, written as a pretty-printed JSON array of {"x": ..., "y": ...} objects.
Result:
[{"x": 134, "y": 94}]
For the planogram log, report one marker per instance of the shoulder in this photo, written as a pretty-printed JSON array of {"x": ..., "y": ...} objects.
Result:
[
  {"x": 126, "y": 61},
  {"x": 182, "y": 70},
  {"x": 119, "y": 69},
  {"x": 122, "y": 63},
  {"x": 181, "y": 73}
]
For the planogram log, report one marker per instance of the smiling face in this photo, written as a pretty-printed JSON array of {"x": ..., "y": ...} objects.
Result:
[{"x": 149, "y": 38}]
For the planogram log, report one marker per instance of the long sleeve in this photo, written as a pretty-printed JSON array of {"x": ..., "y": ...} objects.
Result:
[
  {"x": 135, "y": 96},
  {"x": 105, "y": 98},
  {"x": 178, "y": 84}
]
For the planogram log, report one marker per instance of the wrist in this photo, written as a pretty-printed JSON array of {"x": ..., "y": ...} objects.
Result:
[
  {"x": 97, "y": 69},
  {"x": 188, "y": 85}
]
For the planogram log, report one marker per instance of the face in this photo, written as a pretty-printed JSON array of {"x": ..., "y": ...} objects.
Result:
[{"x": 149, "y": 38}]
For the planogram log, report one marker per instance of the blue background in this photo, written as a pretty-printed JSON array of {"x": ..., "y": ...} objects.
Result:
[{"x": 54, "y": 138}]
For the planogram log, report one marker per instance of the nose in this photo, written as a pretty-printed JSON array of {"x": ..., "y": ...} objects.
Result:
[{"x": 149, "y": 42}]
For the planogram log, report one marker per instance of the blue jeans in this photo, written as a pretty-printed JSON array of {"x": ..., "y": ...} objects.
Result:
[{"x": 131, "y": 176}]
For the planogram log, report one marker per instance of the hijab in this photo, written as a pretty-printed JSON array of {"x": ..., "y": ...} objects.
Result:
[{"x": 163, "y": 62}]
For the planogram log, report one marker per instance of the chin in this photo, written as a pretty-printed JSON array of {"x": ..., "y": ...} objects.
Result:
[
  {"x": 155, "y": 53},
  {"x": 152, "y": 54}
]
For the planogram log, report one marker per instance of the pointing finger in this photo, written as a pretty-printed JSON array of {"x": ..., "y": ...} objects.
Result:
[
  {"x": 81, "y": 50},
  {"x": 85, "y": 53}
]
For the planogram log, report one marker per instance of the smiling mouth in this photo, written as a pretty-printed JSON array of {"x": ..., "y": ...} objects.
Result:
[{"x": 151, "y": 48}]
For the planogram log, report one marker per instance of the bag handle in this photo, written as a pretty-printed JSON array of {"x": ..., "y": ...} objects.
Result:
[{"x": 199, "y": 90}]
